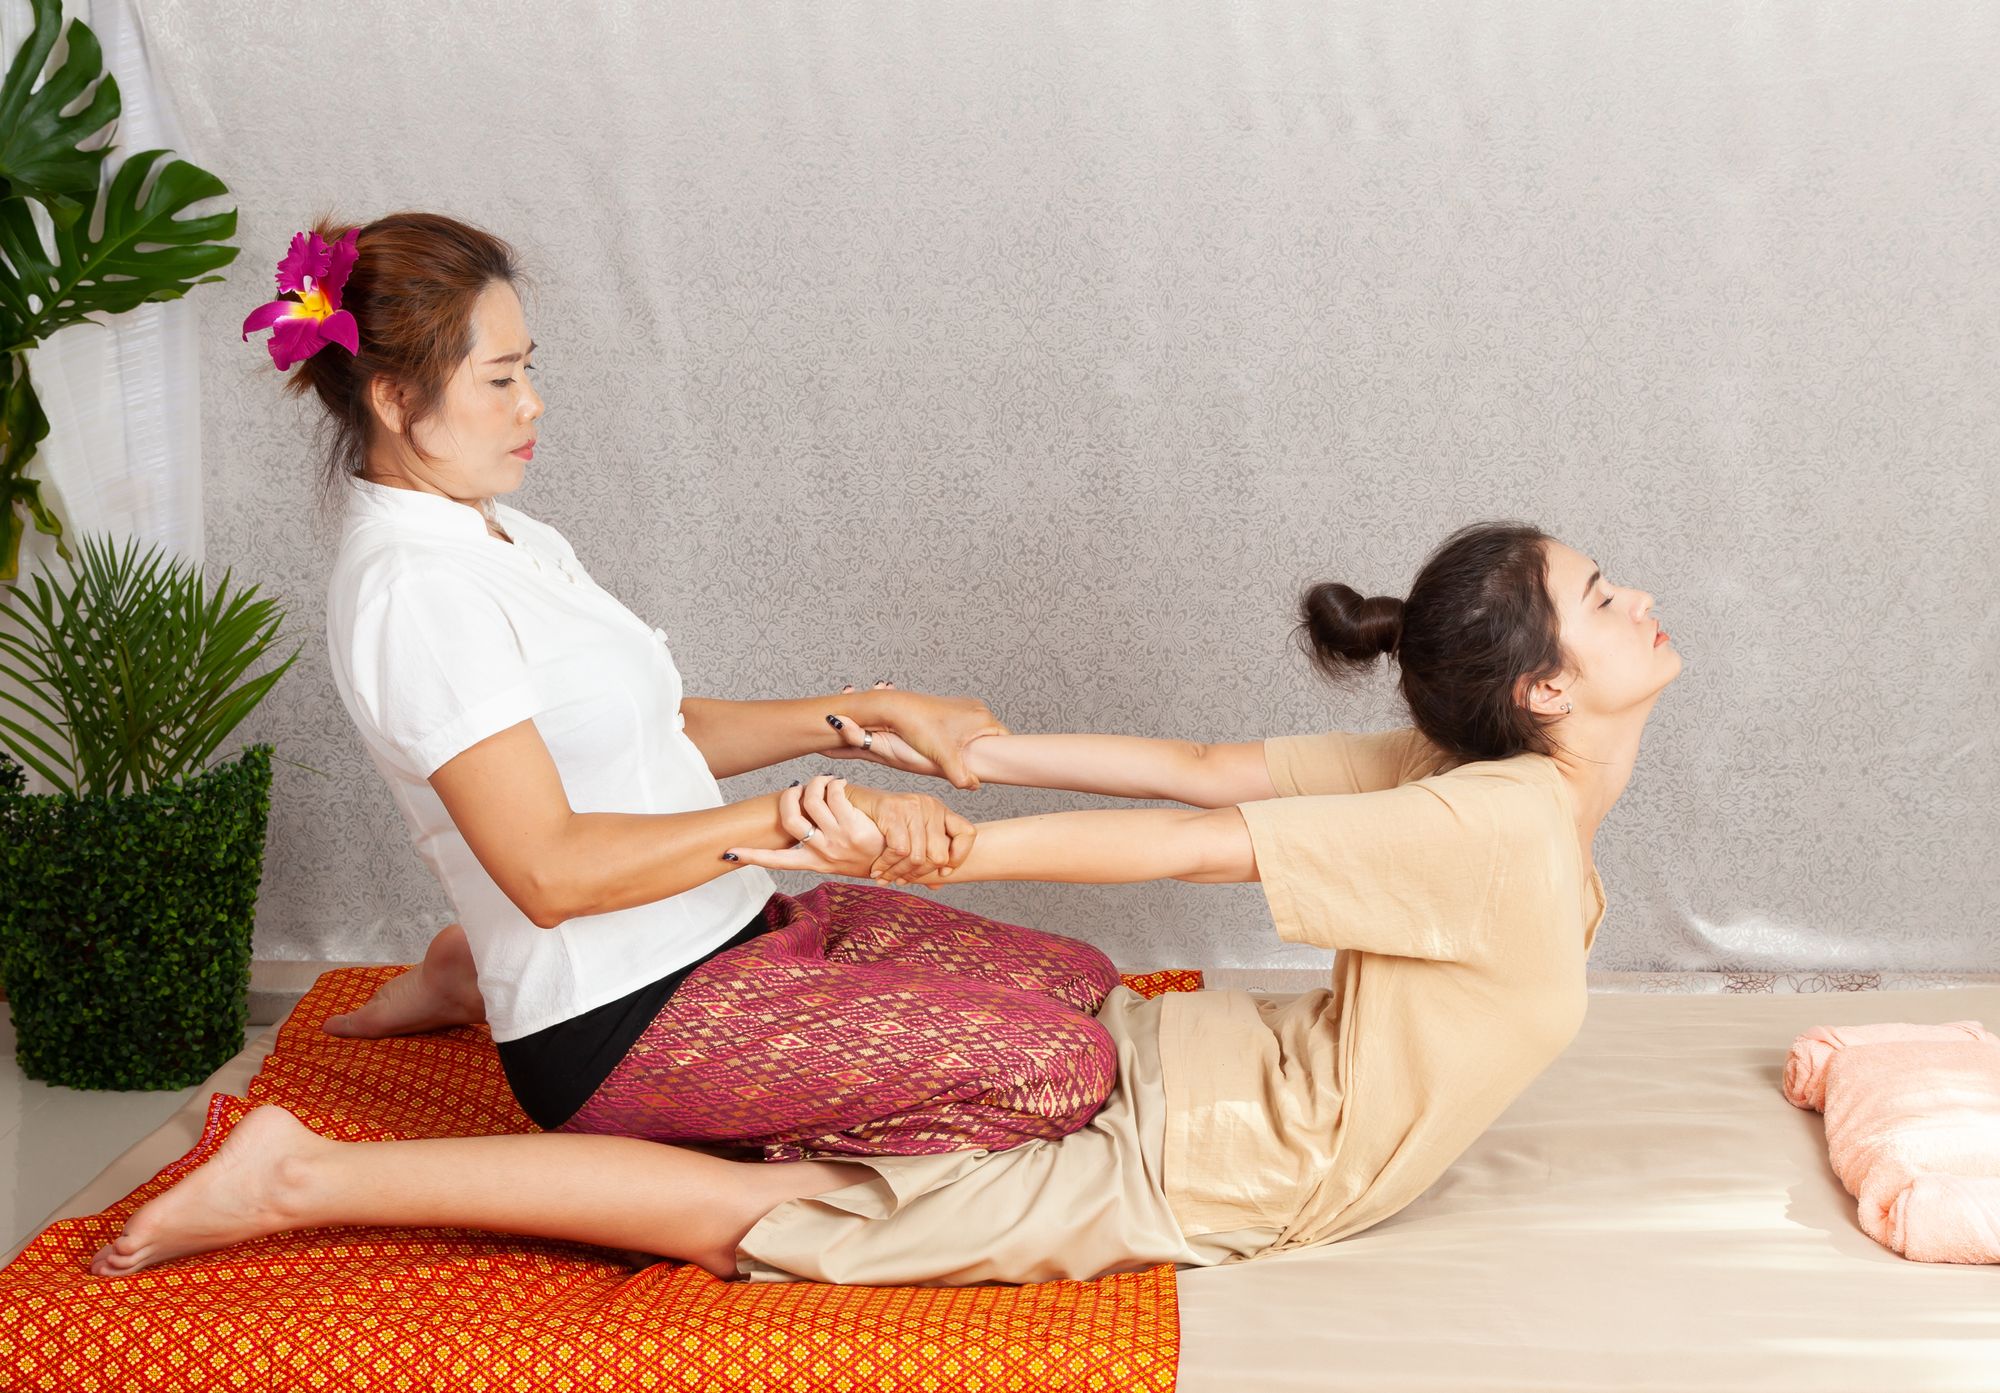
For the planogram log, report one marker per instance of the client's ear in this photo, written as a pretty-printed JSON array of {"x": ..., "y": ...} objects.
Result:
[{"x": 1544, "y": 698}]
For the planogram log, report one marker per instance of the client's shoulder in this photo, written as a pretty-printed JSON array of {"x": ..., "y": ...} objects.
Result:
[{"x": 1525, "y": 788}]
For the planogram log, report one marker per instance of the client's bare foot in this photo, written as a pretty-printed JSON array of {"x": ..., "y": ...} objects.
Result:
[
  {"x": 240, "y": 1193},
  {"x": 440, "y": 992}
]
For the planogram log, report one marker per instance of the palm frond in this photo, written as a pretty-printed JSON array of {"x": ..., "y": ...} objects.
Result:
[{"x": 136, "y": 664}]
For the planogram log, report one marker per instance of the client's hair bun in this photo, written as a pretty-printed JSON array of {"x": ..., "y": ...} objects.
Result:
[{"x": 1343, "y": 631}]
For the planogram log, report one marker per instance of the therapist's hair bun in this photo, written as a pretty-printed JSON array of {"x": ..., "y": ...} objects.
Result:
[
  {"x": 1478, "y": 628},
  {"x": 415, "y": 280}
]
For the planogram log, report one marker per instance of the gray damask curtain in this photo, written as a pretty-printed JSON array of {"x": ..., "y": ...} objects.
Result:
[{"x": 1044, "y": 351}]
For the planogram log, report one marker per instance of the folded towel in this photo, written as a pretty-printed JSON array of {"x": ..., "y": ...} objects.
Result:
[
  {"x": 1913, "y": 1132},
  {"x": 1805, "y": 1070}
]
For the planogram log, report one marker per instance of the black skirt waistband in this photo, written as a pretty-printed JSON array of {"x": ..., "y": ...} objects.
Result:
[{"x": 554, "y": 1071}]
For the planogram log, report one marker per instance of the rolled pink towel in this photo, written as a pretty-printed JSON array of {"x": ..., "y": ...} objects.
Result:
[
  {"x": 1947, "y": 1218},
  {"x": 1913, "y": 1132},
  {"x": 1805, "y": 1069}
]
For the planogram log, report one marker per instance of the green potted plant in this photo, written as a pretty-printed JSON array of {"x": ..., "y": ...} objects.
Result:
[
  {"x": 143, "y": 249},
  {"x": 131, "y": 892}
]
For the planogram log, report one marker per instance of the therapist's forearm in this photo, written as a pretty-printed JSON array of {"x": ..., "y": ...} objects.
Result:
[
  {"x": 600, "y": 862},
  {"x": 1112, "y": 846},
  {"x": 735, "y": 737}
]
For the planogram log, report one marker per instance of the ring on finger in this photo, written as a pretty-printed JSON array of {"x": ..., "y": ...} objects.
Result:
[
  {"x": 867, "y": 739},
  {"x": 811, "y": 832}
]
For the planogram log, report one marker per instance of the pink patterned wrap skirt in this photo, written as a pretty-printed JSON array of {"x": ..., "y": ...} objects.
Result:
[{"x": 870, "y": 1022}]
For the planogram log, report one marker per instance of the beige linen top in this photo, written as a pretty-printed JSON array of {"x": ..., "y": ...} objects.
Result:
[{"x": 1462, "y": 910}]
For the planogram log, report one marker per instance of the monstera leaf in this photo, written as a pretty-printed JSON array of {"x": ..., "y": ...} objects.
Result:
[
  {"x": 22, "y": 428},
  {"x": 143, "y": 248},
  {"x": 39, "y": 158},
  {"x": 141, "y": 252},
  {"x": 144, "y": 252}
]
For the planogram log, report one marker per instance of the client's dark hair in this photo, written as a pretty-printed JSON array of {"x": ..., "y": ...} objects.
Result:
[{"x": 1478, "y": 620}]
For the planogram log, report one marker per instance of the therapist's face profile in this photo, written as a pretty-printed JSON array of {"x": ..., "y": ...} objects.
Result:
[{"x": 482, "y": 437}]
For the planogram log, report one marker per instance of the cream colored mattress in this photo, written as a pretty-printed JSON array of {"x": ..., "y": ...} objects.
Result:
[{"x": 1650, "y": 1214}]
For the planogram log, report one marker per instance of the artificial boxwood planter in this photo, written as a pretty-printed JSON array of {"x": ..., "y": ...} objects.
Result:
[{"x": 125, "y": 927}]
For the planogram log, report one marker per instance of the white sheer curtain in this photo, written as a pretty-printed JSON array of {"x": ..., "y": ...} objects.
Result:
[{"x": 123, "y": 453}]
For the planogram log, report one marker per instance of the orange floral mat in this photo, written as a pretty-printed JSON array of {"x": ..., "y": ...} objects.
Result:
[{"x": 411, "y": 1310}]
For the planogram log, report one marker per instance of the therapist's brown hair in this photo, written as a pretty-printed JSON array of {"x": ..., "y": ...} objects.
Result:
[
  {"x": 1478, "y": 622},
  {"x": 415, "y": 280}
]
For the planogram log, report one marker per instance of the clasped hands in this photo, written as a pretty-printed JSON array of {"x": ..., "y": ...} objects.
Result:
[
  {"x": 867, "y": 833},
  {"x": 892, "y": 838}
]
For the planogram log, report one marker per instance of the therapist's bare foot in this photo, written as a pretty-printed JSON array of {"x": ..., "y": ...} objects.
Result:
[
  {"x": 244, "y": 1191},
  {"x": 440, "y": 992}
]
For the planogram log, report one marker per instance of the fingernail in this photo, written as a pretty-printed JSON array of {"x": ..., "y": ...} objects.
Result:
[
  {"x": 729, "y": 856},
  {"x": 834, "y": 721},
  {"x": 793, "y": 784}
]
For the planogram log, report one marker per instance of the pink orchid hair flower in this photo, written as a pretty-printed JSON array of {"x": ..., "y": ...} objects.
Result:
[{"x": 313, "y": 270}]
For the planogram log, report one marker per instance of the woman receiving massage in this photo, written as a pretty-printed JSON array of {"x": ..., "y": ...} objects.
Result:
[{"x": 1448, "y": 863}]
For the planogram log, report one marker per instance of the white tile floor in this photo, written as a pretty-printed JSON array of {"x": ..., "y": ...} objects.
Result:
[{"x": 54, "y": 1141}]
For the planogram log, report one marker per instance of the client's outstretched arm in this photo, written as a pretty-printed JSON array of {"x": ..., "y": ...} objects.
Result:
[
  {"x": 1120, "y": 766},
  {"x": 1127, "y": 766},
  {"x": 1112, "y": 846}
]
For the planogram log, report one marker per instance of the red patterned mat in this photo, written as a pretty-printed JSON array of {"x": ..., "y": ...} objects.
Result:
[{"x": 409, "y": 1310}]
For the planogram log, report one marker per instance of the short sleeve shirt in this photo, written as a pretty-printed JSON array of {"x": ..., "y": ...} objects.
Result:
[
  {"x": 1459, "y": 908},
  {"x": 440, "y": 635}
]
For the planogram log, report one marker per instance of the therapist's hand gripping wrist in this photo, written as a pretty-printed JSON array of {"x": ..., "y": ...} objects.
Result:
[
  {"x": 916, "y": 731},
  {"x": 837, "y": 833},
  {"x": 921, "y": 836}
]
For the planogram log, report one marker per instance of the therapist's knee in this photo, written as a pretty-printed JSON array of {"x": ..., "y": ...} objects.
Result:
[{"x": 1069, "y": 1070}]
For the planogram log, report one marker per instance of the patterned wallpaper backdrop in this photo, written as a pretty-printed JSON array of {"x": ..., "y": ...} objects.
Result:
[{"x": 1044, "y": 352}]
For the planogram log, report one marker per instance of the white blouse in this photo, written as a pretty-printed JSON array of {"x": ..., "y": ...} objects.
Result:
[{"x": 440, "y": 635}]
